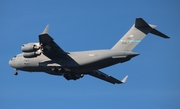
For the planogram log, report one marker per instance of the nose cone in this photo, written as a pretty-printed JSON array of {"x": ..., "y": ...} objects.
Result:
[{"x": 11, "y": 62}]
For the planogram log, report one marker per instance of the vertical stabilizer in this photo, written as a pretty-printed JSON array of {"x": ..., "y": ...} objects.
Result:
[{"x": 136, "y": 34}]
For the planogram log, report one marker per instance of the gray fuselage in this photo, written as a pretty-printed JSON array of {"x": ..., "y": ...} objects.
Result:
[{"x": 79, "y": 62}]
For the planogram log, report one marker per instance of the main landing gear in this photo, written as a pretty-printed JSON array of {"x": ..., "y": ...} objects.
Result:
[{"x": 57, "y": 69}]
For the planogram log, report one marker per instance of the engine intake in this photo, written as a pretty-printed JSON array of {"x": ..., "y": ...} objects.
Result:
[{"x": 30, "y": 47}]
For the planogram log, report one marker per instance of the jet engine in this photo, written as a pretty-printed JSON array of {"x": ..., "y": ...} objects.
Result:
[
  {"x": 32, "y": 54},
  {"x": 31, "y": 50},
  {"x": 73, "y": 76},
  {"x": 30, "y": 47}
]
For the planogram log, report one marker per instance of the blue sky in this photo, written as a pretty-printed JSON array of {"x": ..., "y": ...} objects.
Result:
[{"x": 78, "y": 25}]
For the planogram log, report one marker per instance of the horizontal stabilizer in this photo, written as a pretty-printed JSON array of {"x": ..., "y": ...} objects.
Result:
[
  {"x": 158, "y": 33},
  {"x": 140, "y": 23}
]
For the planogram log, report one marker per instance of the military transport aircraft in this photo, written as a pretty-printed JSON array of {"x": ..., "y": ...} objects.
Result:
[{"x": 47, "y": 56}]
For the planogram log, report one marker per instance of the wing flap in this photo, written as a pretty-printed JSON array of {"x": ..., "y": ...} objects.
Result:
[{"x": 105, "y": 77}]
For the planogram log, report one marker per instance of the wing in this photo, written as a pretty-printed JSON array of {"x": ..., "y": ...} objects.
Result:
[
  {"x": 105, "y": 77},
  {"x": 49, "y": 47}
]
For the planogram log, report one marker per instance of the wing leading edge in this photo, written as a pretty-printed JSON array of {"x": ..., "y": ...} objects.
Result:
[
  {"x": 105, "y": 77},
  {"x": 49, "y": 47}
]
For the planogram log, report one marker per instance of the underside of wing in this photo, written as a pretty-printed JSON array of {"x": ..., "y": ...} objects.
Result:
[
  {"x": 49, "y": 47},
  {"x": 105, "y": 77}
]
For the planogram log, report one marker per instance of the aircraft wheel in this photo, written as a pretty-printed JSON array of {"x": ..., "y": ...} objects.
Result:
[
  {"x": 62, "y": 70},
  {"x": 57, "y": 69},
  {"x": 16, "y": 73}
]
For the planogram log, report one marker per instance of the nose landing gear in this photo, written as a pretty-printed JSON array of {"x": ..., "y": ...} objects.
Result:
[{"x": 16, "y": 73}]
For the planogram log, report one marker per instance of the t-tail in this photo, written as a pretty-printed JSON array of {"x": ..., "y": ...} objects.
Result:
[{"x": 136, "y": 34}]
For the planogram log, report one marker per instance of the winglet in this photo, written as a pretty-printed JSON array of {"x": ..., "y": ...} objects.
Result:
[
  {"x": 45, "y": 30},
  {"x": 124, "y": 79}
]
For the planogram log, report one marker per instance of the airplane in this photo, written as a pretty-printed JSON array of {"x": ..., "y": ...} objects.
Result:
[{"x": 46, "y": 56}]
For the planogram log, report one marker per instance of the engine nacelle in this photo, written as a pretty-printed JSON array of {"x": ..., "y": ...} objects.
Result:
[
  {"x": 32, "y": 54},
  {"x": 30, "y": 47}
]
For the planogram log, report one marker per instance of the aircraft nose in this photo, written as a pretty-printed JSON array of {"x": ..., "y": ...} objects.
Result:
[{"x": 11, "y": 62}]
